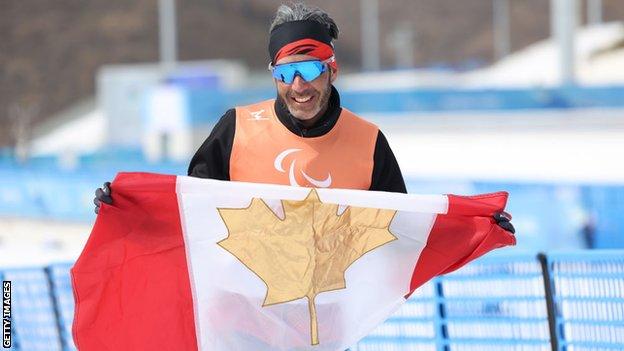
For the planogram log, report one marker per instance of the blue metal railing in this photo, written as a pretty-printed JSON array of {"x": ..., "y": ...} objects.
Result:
[
  {"x": 414, "y": 327},
  {"x": 588, "y": 299},
  {"x": 34, "y": 319},
  {"x": 62, "y": 293},
  {"x": 496, "y": 301},
  {"x": 565, "y": 301}
]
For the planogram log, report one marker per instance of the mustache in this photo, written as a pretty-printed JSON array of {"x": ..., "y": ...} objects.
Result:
[{"x": 307, "y": 92}]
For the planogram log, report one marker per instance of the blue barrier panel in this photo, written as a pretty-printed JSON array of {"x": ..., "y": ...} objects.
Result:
[
  {"x": 589, "y": 299},
  {"x": 68, "y": 196},
  {"x": 413, "y": 327},
  {"x": 535, "y": 206},
  {"x": 606, "y": 206},
  {"x": 206, "y": 106},
  {"x": 16, "y": 197},
  {"x": 62, "y": 195},
  {"x": 495, "y": 303},
  {"x": 63, "y": 294},
  {"x": 34, "y": 318}
]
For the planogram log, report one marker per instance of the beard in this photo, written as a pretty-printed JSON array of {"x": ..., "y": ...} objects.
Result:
[{"x": 312, "y": 110}]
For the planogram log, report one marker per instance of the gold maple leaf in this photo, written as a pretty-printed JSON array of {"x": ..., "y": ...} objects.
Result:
[{"x": 308, "y": 251}]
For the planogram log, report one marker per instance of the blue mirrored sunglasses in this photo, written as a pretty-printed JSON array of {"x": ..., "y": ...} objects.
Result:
[{"x": 307, "y": 70}]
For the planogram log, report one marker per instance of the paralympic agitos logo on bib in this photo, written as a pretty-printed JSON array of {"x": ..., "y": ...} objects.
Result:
[{"x": 278, "y": 164}]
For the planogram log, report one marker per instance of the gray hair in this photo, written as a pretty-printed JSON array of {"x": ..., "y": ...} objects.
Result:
[{"x": 299, "y": 11}]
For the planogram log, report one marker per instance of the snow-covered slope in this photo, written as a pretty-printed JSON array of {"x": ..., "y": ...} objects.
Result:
[
  {"x": 535, "y": 65},
  {"x": 84, "y": 134}
]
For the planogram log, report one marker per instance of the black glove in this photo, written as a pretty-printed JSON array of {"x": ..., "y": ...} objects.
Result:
[
  {"x": 503, "y": 220},
  {"x": 102, "y": 194}
]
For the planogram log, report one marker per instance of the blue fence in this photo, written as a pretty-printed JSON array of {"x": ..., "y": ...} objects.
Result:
[
  {"x": 588, "y": 303},
  {"x": 496, "y": 303},
  {"x": 560, "y": 301},
  {"x": 34, "y": 317}
]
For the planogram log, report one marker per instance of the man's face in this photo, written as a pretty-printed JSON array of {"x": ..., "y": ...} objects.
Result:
[{"x": 305, "y": 100}]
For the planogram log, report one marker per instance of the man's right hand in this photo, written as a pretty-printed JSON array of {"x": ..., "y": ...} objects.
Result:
[{"x": 102, "y": 194}]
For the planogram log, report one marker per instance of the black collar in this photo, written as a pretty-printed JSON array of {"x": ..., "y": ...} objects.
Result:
[{"x": 322, "y": 126}]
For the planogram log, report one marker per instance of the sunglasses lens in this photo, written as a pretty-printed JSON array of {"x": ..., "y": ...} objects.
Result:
[
  {"x": 311, "y": 70},
  {"x": 283, "y": 74},
  {"x": 308, "y": 70}
]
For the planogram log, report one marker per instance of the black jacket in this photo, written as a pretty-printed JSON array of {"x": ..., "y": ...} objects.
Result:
[{"x": 212, "y": 159}]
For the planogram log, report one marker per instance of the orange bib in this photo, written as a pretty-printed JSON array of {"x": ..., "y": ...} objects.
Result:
[{"x": 265, "y": 151}]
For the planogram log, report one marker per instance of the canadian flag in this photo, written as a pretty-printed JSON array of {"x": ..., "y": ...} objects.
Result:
[{"x": 180, "y": 263}]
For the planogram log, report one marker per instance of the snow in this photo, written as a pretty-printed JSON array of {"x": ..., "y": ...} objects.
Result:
[
  {"x": 537, "y": 65},
  {"x": 84, "y": 134},
  {"x": 561, "y": 146},
  {"x": 31, "y": 243},
  {"x": 534, "y": 66}
]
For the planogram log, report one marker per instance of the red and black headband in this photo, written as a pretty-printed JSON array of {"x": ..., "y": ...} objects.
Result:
[{"x": 304, "y": 37}]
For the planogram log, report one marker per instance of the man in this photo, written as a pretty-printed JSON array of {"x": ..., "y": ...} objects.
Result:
[{"x": 303, "y": 137}]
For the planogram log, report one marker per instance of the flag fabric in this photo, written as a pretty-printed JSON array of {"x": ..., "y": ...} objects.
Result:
[{"x": 180, "y": 263}]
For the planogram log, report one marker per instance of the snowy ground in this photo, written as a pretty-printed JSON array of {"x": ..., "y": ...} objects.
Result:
[
  {"x": 578, "y": 146},
  {"x": 27, "y": 242}
]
